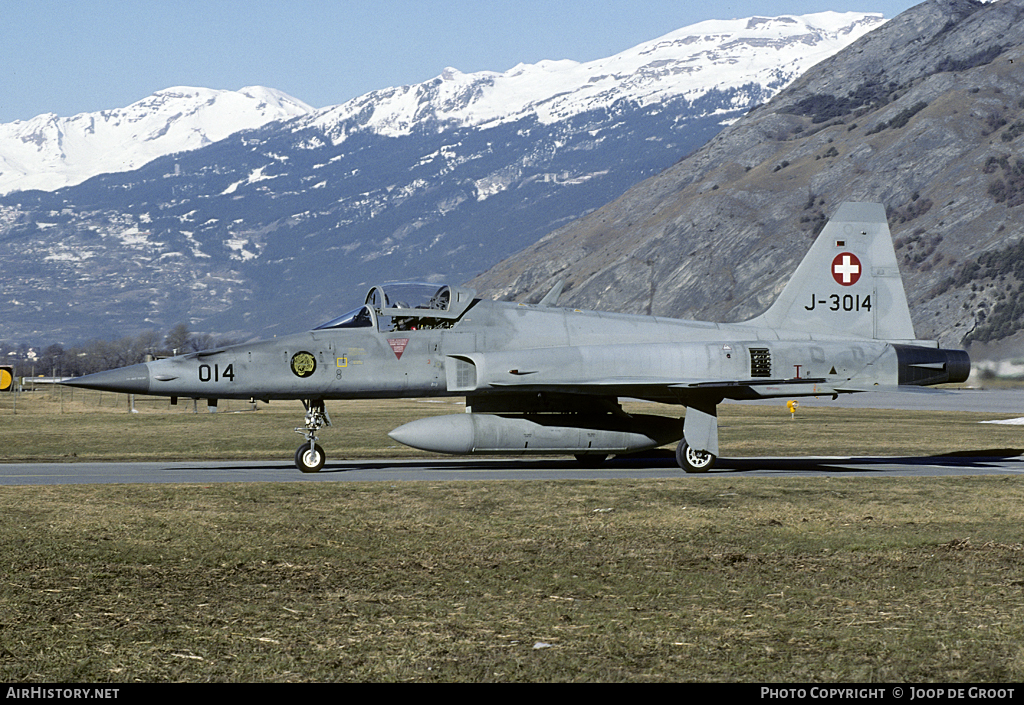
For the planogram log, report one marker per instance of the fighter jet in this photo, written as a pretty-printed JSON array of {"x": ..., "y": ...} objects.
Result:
[{"x": 540, "y": 379}]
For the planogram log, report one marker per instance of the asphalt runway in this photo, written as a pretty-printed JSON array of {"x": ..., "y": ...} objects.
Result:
[
  {"x": 657, "y": 464},
  {"x": 448, "y": 470}
]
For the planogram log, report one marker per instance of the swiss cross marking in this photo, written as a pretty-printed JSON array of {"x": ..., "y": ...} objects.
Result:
[
  {"x": 846, "y": 269},
  {"x": 398, "y": 346}
]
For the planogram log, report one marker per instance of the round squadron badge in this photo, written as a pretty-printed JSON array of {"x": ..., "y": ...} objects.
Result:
[{"x": 303, "y": 364}]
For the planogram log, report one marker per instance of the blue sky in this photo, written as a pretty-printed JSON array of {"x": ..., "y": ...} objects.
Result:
[{"x": 83, "y": 56}]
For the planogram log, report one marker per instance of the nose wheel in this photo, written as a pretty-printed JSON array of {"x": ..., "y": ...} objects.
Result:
[{"x": 310, "y": 457}]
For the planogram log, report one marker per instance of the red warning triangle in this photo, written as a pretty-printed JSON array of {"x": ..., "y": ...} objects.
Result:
[{"x": 398, "y": 346}]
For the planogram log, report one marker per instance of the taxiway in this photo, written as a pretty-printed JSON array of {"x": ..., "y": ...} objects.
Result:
[{"x": 652, "y": 466}]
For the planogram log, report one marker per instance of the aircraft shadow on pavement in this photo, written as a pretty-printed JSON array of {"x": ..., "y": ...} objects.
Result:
[
  {"x": 965, "y": 459},
  {"x": 666, "y": 460}
]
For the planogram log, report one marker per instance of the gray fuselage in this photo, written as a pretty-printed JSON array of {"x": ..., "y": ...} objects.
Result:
[{"x": 503, "y": 347}]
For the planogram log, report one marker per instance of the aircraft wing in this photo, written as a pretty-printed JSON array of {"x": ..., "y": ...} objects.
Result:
[{"x": 678, "y": 389}]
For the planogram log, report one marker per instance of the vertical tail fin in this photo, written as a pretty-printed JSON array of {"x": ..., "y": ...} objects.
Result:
[{"x": 848, "y": 284}]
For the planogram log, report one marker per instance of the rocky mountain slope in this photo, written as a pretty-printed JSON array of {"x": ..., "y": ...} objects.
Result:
[
  {"x": 280, "y": 228},
  {"x": 924, "y": 115}
]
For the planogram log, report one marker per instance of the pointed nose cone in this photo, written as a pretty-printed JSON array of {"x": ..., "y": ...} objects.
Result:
[{"x": 129, "y": 380}]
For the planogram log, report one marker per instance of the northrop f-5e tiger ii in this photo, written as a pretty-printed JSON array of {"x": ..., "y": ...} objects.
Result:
[{"x": 540, "y": 379}]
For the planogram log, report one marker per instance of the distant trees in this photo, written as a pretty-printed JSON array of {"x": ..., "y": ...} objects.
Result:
[
  {"x": 99, "y": 355},
  {"x": 901, "y": 118},
  {"x": 1008, "y": 189},
  {"x": 181, "y": 340},
  {"x": 177, "y": 339},
  {"x": 985, "y": 56},
  {"x": 996, "y": 279},
  {"x": 821, "y": 107}
]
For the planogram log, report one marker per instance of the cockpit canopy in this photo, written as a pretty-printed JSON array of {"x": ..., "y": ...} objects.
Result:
[{"x": 407, "y": 306}]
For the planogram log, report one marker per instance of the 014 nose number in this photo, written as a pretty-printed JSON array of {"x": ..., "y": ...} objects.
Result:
[{"x": 213, "y": 373}]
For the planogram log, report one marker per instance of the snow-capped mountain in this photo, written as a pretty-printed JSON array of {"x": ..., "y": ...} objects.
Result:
[
  {"x": 50, "y": 152},
  {"x": 281, "y": 227},
  {"x": 717, "y": 55}
]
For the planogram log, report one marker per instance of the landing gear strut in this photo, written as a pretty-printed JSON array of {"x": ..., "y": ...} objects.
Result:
[
  {"x": 699, "y": 447},
  {"x": 310, "y": 456}
]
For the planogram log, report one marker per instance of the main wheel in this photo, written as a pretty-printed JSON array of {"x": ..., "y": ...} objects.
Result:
[
  {"x": 308, "y": 460},
  {"x": 590, "y": 460},
  {"x": 692, "y": 460}
]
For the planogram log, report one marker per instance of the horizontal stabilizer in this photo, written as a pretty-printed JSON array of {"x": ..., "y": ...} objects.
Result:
[{"x": 551, "y": 298}]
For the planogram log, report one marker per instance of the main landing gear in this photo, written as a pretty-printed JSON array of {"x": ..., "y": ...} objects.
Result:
[
  {"x": 692, "y": 460},
  {"x": 310, "y": 456},
  {"x": 698, "y": 449}
]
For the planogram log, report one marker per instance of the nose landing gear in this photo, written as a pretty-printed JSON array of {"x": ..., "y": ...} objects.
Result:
[{"x": 310, "y": 456}]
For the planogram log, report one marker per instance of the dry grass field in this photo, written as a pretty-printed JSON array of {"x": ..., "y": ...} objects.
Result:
[
  {"x": 73, "y": 425},
  {"x": 907, "y": 580}
]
